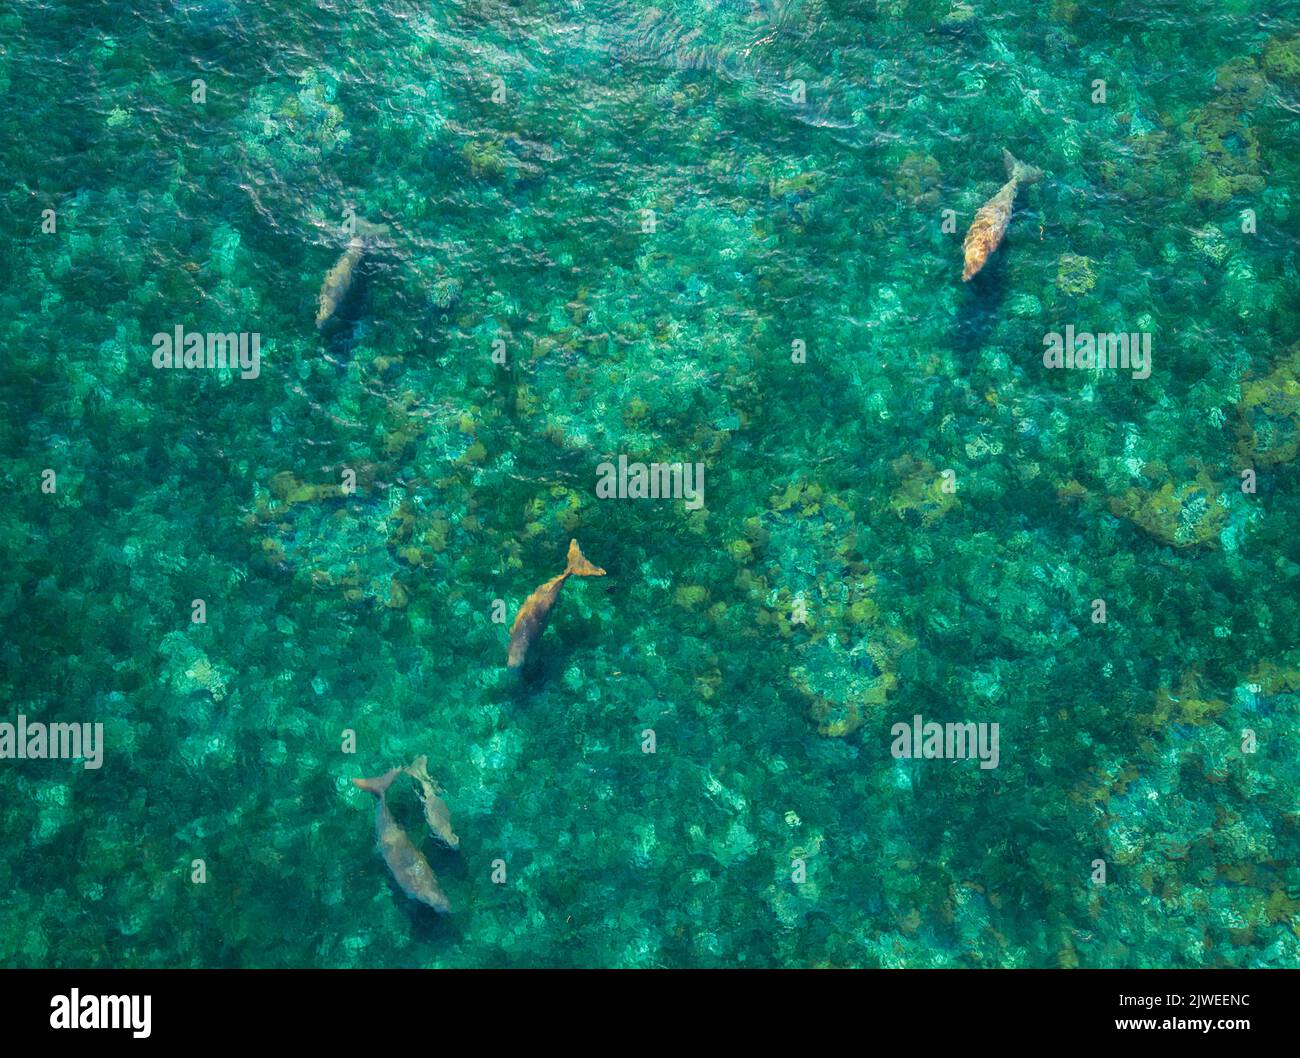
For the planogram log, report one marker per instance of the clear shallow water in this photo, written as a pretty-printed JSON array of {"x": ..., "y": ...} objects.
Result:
[{"x": 776, "y": 221}]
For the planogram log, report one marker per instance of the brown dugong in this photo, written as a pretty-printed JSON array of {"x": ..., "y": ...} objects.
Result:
[
  {"x": 530, "y": 621},
  {"x": 992, "y": 218},
  {"x": 436, "y": 812}
]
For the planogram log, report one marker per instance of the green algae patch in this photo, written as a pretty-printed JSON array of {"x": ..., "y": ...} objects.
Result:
[
  {"x": 1269, "y": 414},
  {"x": 1182, "y": 514},
  {"x": 1281, "y": 60},
  {"x": 1227, "y": 142},
  {"x": 923, "y": 492},
  {"x": 485, "y": 158},
  {"x": 1074, "y": 275}
]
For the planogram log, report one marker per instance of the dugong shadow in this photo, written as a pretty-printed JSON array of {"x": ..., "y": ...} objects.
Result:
[{"x": 979, "y": 310}]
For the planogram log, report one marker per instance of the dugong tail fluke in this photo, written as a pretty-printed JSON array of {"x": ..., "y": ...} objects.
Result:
[
  {"x": 991, "y": 219},
  {"x": 578, "y": 566},
  {"x": 1018, "y": 171},
  {"x": 379, "y": 784}
]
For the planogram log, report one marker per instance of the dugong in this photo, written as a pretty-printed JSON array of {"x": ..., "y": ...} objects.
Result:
[
  {"x": 340, "y": 278},
  {"x": 436, "y": 812},
  {"x": 409, "y": 867},
  {"x": 530, "y": 621},
  {"x": 991, "y": 219}
]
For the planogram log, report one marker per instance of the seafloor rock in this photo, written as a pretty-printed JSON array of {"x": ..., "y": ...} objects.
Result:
[
  {"x": 845, "y": 683},
  {"x": 916, "y": 181},
  {"x": 846, "y": 652},
  {"x": 1142, "y": 171},
  {"x": 1190, "y": 703},
  {"x": 189, "y": 669}
]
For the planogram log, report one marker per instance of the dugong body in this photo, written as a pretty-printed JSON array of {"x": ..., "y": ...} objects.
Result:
[
  {"x": 992, "y": 218},
  {"x": 436, "y": 812},
  {"x": 339, "y": 280},
  {"x": 530, "y": 621},
  {"x": 342, "y": 277}
]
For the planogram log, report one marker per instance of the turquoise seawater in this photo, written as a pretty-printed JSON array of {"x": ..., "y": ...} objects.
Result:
[{"x": 725, "y": 232}]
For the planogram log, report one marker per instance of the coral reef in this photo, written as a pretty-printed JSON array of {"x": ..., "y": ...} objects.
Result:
[{"x": 1281, "y": 59}]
